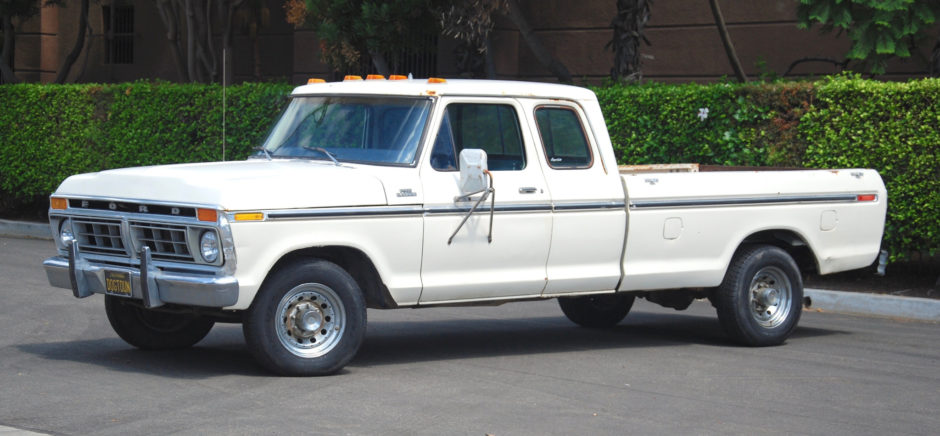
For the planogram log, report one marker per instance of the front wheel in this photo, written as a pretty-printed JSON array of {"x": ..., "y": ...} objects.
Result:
[
  {"x": 759, "y": 301},
  {"x": 152, "y": 329},
  {"x": 601, "y": 310},
  {"x": 309, "y": 318}
]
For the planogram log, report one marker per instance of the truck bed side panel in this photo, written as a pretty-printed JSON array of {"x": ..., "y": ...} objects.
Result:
[{"x": 683, "y": 228}]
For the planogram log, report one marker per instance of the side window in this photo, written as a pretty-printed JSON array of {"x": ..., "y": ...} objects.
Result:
[
  {"x": 494, "y": 128},
  {"x": 563, "y": 138}
]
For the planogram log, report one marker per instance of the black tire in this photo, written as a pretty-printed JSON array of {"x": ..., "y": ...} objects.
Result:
[
  {"x": 308, "y": 319},
  {"x": 152, "y": 329},
  {"x": 759, "y": 302},
  {"x": 597, "y": 311}
]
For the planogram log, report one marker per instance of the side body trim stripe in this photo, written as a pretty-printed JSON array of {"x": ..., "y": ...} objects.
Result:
[
  {"x": 559, "y": 207},
  {"x": 743, "y": 201}
]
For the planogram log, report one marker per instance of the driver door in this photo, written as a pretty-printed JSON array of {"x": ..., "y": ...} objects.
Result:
[{"x": 470, "y": 267}]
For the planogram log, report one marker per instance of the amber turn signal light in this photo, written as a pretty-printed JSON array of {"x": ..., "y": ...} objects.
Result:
[
  {"x": 58, "y": 203},
  {"x": 249, "y": 216},
  {"x": 211, "y": 215}
]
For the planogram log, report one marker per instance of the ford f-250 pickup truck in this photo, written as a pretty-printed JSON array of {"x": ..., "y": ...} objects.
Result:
[{"x": 409, "y": 193}]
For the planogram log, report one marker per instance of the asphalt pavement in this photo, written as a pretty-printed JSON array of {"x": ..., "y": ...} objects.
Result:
[{"x": 516, "y": 369}]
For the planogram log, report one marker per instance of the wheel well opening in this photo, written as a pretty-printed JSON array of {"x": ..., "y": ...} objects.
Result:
[
  {"x": 356, "y": 263},
  {"x": 789, "y": 241}
]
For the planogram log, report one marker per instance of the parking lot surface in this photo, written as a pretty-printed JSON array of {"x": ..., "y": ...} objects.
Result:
[{"x": 516, "y": 369}]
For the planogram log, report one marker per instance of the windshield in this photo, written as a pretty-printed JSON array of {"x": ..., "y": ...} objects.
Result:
[{"x": 378, "y": 130}]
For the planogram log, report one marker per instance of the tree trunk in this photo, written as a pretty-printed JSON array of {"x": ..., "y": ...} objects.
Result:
[
  {"x": 227, "y": 31},
  {"x": 628, "y": 25},
  {"x": 935, "y": 66},
  {"x": 378, "y": 60},
  {"x": 79, "y": 44},
  {"x": 213, "y": 64},
  {"x": 488, "y": 58},
  {"x": 726, "y": 40},
  {"x": 535, "y": 44},
  {"x": 191, "y": 42},
  {"x": 7, "y": 53},
  {"x": 168, "y": 14}
]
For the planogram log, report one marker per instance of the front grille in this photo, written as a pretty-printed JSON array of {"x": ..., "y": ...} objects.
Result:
[
  {"x": 100, "y": 237},
  {"x": 166, "y": 242}
]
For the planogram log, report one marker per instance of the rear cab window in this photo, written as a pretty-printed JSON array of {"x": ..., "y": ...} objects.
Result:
[{"x": 563, "y": 138}]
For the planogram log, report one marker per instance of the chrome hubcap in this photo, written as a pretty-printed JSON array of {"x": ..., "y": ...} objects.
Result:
[
  {"x": 770, "y": 297},
  {"x": 311, "y": 320}
]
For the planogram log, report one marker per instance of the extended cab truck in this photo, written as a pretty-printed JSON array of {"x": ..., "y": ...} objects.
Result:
[{"x": 410, "y": 193}]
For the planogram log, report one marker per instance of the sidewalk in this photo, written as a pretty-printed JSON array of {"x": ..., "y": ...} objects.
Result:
[{"x": 854, "y": 303}]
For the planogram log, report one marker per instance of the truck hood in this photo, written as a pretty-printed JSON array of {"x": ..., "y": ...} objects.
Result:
[{"x": 245, "y": 185}]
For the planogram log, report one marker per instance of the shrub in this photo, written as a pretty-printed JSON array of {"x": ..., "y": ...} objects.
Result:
[
  {"x": 49, "y": 132},
  {"x": 841, "y": 122},
  {"x": 891, "y": 127}
]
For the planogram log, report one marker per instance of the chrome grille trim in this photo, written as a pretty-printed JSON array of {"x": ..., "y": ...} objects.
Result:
[
  {"x": 99, "y": 236},
  {"x": 166, "y": 241}
]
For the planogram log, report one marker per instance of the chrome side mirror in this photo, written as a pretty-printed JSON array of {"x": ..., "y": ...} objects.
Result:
[{"x": 473, "y": 177}]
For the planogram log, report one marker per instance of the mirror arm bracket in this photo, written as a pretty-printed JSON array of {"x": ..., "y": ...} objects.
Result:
[{"x": 489, "y": 192}]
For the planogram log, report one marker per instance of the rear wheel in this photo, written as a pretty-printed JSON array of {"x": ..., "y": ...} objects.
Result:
[
  {"x": 153, "y": 329},
  {"x": 309, "y": 318},
  {"x": 759, "y": 301},
  {"x": 601, "y": 310}
]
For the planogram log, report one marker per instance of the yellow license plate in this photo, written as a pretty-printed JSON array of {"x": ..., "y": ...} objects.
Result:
[{"x": 117, "y": 283}]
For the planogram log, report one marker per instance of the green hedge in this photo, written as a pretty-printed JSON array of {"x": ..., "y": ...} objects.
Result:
[
  {"x": 840, "y": 122},
  {"x": 48, "y": 132}
]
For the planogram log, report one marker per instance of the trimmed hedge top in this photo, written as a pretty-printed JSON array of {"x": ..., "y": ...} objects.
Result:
[{"x": 48, "y": 132}]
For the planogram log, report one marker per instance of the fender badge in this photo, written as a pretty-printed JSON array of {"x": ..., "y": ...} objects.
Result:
[{"x": 407, "y": 192}]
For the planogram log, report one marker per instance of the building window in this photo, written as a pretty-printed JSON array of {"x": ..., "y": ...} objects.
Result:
[{"x": 118, "y": 34}]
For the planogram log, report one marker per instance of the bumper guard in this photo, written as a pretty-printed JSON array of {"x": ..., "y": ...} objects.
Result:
[{"x": 148, "y": 283}]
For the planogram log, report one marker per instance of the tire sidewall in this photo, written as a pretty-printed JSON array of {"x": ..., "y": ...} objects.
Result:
[
  {"x": 736, "y": 299},
  {"x": 597, "y": 311},
  {"x": 260, "y": 325},
  {"x": 128, "y": 322}
]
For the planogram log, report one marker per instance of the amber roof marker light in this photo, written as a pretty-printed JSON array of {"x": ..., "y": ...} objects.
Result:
[
  {"x": 313, "y": 80},
  {"x": 436, "y": 80},
  {"x": 397, "y": 77},
  {"x": 351, "y": 77}
]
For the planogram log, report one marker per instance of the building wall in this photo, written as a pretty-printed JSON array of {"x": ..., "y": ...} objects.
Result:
[
  {"x": 685, "y": 44},
  {"x": 44, "y": 41}
]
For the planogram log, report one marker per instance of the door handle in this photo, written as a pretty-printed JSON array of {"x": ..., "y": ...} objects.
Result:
[{"x": 527, "y": 190}]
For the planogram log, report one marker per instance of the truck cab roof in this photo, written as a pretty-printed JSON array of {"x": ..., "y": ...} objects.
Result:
[{"x": 449, "y": 87}]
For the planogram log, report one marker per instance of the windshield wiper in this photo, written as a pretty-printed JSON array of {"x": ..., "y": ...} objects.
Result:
[
  {"x": 324, "y": 151},
  {"x": 267, "y": 153}
]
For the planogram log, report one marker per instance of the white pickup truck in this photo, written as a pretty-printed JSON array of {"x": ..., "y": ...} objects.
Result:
[{"x": 408, "y": 193}]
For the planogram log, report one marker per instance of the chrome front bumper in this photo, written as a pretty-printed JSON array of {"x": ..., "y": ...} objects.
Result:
[{"x": 148, "y": 283}]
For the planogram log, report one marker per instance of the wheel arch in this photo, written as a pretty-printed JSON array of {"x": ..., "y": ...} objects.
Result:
[
  {"x": 788, "y": 240},
  {"x": 355, "y": 262}
]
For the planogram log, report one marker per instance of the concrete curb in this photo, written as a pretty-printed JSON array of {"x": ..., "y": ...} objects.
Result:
[
  {"x": 857, "y": 303},
  {"x": 12, "y": 431},
  {"x": 25, "y": 229}
]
